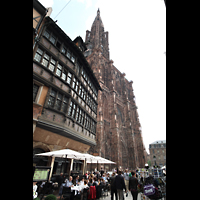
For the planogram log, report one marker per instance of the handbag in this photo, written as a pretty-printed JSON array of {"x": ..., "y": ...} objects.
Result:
[
  {"x": 156, "y": 195},
  {"x": 149, "y": 190}
]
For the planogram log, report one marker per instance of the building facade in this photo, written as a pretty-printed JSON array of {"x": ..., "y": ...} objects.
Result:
[
  {"x": 157, "y": 151},
  {"x": 118, "y": 135},
  {"x": 65, "y": 96}
]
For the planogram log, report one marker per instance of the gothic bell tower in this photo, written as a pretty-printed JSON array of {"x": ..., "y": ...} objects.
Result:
[{"x": 97, "y": 38}]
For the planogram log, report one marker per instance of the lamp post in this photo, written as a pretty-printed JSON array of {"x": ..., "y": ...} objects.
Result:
[
  {"x": 146, "y": 166},
  {"x": 154, "y": 159}
]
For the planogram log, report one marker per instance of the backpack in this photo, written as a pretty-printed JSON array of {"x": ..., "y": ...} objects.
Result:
[{"x": 150, "y": 189}]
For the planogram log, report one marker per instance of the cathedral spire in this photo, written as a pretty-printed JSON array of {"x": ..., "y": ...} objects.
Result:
[
  {"x": 98, "y": 15},
  {"x": 98, "y": 12},
  {"x": 97, "y": 38}
]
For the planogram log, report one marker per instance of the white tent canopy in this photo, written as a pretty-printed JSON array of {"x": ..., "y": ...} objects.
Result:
[
  {"x": 100, "y": 160},
  {"x": 89, "y": 157},
  {"x": 63, "y": 153},
  {"x": 95, "y": 160},
  {"x": 68, "y": 153}
]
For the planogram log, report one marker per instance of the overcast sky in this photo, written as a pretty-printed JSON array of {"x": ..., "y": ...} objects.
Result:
[{"x": 137, "y": 43}]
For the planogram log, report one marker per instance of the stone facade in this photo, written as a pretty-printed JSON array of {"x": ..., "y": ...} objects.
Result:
[
  {"x": 158, "y": 153},
  {"x": 118, "y": 135}
]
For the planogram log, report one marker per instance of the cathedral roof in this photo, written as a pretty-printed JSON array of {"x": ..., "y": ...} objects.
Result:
[{"x": 98, "y": 19}]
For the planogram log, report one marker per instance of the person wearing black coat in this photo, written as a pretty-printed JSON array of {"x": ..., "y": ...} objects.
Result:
[
  {"x": 133, "y": 183},
  {"x": 112, "y": 186},
  {"x": 60, "y": 179},
  {"x": 101, "y": 171},
  {"x": 120, "y": 185}
]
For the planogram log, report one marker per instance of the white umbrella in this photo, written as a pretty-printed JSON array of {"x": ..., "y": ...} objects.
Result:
[
  {"x": 109, "y": 161},
  {"x": 68, "y": 153},
  {"x": 63, "y": 153},
  {"x": 100, "y": 160},
  {"x": 104, "y": 160}
]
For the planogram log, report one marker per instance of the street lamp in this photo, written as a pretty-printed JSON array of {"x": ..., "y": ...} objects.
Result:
[
  {"x": 154, "y": 159},
  {"x": 146, "y": 166}
]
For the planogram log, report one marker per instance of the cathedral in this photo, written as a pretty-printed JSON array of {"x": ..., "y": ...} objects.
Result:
[{"x": 118, "y": 132}]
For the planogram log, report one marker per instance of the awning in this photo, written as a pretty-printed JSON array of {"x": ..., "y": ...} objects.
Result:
[
  {"x": 68, "y": 153},
  {"x": 63, "y": 153}
]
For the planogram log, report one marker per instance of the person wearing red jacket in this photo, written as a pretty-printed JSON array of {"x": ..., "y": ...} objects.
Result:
[{"x": 92, "y": 194}]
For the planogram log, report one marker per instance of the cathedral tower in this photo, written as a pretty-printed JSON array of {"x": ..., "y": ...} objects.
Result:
[
  {"x": 97, "y": 38},
  {"x": 118, "y": 132}
]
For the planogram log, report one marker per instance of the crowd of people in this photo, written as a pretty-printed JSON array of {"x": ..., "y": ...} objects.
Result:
[
  {"x": 117, "y": 182},
  {"x": 89, "y": 179}
]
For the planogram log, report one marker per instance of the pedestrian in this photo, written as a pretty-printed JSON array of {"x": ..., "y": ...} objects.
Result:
[
  {"x": 97, "y": 175},
  {"x": 133, "y": 183},
  {"x": 90, "y": 182},
  {"x": 142, "y": 179},
  {"x": 60, "y": 179},
  {"x": 112, "y": 186},
  {"x": 120, "y": 185},
  {"x": 126, "y": 177},
  {"x": 101, "y": 171},
  {"x": 34, "y": 190}
]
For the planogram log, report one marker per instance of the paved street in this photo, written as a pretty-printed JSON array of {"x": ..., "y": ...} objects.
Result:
[
  {"x": 140, "y": 197},
  {"x": 125, "y": 198}
]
